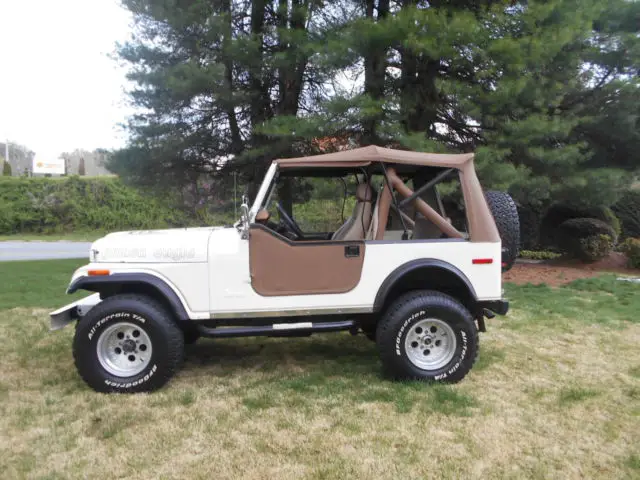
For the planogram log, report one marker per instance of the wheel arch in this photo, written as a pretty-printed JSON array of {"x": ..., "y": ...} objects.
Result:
[
  {"x": 141, "y": 283},
  {"x": 426, "y": 274}
]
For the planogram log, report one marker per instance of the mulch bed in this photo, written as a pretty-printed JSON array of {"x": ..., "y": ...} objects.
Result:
[{"x": 561, "y": 271}]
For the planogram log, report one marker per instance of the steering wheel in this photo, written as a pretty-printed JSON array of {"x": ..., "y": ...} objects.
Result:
[{"x": 288, "y": 221}]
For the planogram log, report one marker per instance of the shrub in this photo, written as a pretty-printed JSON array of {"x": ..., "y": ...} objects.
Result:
[
  {"x": 585, "y": 227},
  {"x": 586, "y": 238},
  {"x": 530, "y": 219},
  {"x": 49, "y": 205},
  {"x": 608, "y": 216},
  {"x": 594, "y": 247},
  {"x": 538, "y": 254},
  {"x": 557, "y": 214},
  {"x": 631, "y": 248},
  {"x": 628, "y": 211},
  {"x": 6, "y": 169}
]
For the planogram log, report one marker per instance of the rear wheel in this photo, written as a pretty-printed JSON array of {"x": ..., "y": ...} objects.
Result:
[
  {"x": 427, "y": 335},
  {"x": 127, "y": 343}
]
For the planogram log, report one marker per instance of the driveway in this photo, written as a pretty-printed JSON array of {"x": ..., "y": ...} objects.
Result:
[{"x": 15, "y": 250}]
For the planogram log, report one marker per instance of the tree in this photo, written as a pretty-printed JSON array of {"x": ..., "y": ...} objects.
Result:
[
  {"x": 546, "y": 92},
  {"x": 6, "y": 168},
  {"x": 211, "y": 77},
  {"x": 81, "y": 167}
]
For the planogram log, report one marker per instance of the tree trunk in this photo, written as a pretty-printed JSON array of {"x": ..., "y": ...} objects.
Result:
[
  {"x": 375, "y": 68},
  {"x": 259, "y": 105},
  {"x": 290, "y": 80},
  {"x": 236, "y": 138}
]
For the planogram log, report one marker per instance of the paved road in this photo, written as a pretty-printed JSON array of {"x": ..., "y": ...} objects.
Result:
[{"x": 43, "y": 250}]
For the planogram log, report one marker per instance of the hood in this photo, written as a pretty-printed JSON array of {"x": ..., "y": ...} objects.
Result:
[{"x": 178, "y": 245}]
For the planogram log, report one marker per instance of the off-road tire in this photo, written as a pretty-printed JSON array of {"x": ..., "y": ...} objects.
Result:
[
  {"x": 505, "y": 213},
  {"x": 408, "y": 311},
  {"x": 167, "y": 343}
]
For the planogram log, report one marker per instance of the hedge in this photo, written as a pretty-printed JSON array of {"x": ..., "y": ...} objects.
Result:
[
  {"x": 557, "y": 214},
  {"x": 631, "y": 248},
  {"x": 586, "y": 238},
  {"x": 55, "y": 205},
  {"x": 628, "y": 211}
]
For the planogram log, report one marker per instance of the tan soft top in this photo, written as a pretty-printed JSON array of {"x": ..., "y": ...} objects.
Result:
[{"x": 359, "y": 157}]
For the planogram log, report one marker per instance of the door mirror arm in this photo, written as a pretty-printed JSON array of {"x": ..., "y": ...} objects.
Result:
[{"x": 243, "y": 224}]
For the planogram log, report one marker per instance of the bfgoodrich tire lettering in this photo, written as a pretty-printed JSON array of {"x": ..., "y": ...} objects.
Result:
[
  {"x": 129, "y": 310},
  {"x": 419, "y": 308}
]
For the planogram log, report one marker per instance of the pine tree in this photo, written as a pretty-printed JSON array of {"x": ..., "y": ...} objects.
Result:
[
  {"x": 220, "y": 73},
  {"x": 545, "y": 92}
]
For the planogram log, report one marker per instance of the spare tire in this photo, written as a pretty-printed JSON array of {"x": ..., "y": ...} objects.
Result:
[{"x": 505, "y": 213}]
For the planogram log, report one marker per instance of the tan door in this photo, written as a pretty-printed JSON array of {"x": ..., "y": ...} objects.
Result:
[{"x": 282, "y": 267}]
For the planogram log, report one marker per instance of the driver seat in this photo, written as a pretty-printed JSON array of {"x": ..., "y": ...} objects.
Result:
[{"x": 356, "y": 227}]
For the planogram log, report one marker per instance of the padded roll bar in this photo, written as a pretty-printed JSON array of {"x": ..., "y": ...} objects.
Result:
[{"x": 424, "y": 208}]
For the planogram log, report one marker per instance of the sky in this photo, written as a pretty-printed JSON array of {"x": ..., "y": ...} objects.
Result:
[{"x": 59, "y": 89}]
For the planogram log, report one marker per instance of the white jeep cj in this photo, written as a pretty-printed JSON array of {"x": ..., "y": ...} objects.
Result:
[{"x": 398, "y": 269}]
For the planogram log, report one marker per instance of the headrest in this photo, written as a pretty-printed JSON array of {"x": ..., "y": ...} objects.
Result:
[{"x": 364, "y": 193}]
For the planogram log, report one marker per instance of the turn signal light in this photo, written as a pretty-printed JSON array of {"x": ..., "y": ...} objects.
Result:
[
  {"x": 482, "y": 261},
  {"x": 94, "y": 273}
]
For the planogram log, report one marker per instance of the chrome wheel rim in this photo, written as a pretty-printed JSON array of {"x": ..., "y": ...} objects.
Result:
[
  {"x": 430, "y": 344},
  {"x": 124, "y": 349}
]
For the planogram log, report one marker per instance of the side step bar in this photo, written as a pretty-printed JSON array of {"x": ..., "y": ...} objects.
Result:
[{"x": 277, "y": 329}]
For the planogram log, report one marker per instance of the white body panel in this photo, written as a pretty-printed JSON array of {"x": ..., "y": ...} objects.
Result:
[
  {"x": 231, "y": 291},
  {"x": 179, "y": 245},
  {"x": 190, "y": 281}
]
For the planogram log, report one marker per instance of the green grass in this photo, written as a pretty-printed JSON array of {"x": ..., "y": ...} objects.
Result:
[
  {"x": 555, "y": 387},
  {"x": 600, "y": 300},
  {"x": 78, "y": 236},
  {"x": 576, "y": 394},
  {"x": 39, "y": 283}
]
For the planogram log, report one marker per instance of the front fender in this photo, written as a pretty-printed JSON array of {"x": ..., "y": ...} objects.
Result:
[{"x": 131, "y": 281}]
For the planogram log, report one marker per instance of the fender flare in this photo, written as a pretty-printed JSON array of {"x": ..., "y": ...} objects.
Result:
[
  {"x": 397, "y": 275},
  {"x": 107, "y": 282}
]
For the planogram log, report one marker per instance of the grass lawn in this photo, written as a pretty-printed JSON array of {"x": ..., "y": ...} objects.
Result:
[
  {"x": 89, "y": 236},
  {"x": 40, "y": 283},
  {"x": 555, "y": 394}
]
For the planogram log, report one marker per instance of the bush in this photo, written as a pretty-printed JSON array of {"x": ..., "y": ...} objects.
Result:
[
  {"x": 585, "y": 227},
  {"x": 538, "y": 254},
  {"x": 594, "y": 247},
  {"x": 631, "y": 248},
  {"x": 530, "y": 220},
  {"x": 557, "y": 214},
  {"x": 586, "y": 238},
  {"x": 628, "y": 211},
  {"x": 606, "y": 215},
  {"x": 6, "y": 169},
  {"x": 53, "y": 205}
]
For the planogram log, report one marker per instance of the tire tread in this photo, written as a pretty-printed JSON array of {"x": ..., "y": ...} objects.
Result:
[
  {"x": 174, "y": 338},
  {"x": 383, "y": 336}
]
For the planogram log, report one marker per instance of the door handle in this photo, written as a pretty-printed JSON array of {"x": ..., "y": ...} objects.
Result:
[{"x": 352, "y": 251}]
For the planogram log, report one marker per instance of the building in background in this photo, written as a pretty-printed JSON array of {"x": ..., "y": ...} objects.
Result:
[{"x": 22, "y": 158}]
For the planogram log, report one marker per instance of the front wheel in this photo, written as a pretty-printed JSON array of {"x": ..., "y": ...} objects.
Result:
[
  {"x": 427, "y": 335},
  {"x": 127, "y": 343}
]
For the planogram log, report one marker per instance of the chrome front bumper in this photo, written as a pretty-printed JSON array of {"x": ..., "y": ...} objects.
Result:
[{"x": 68, "y": 313}]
